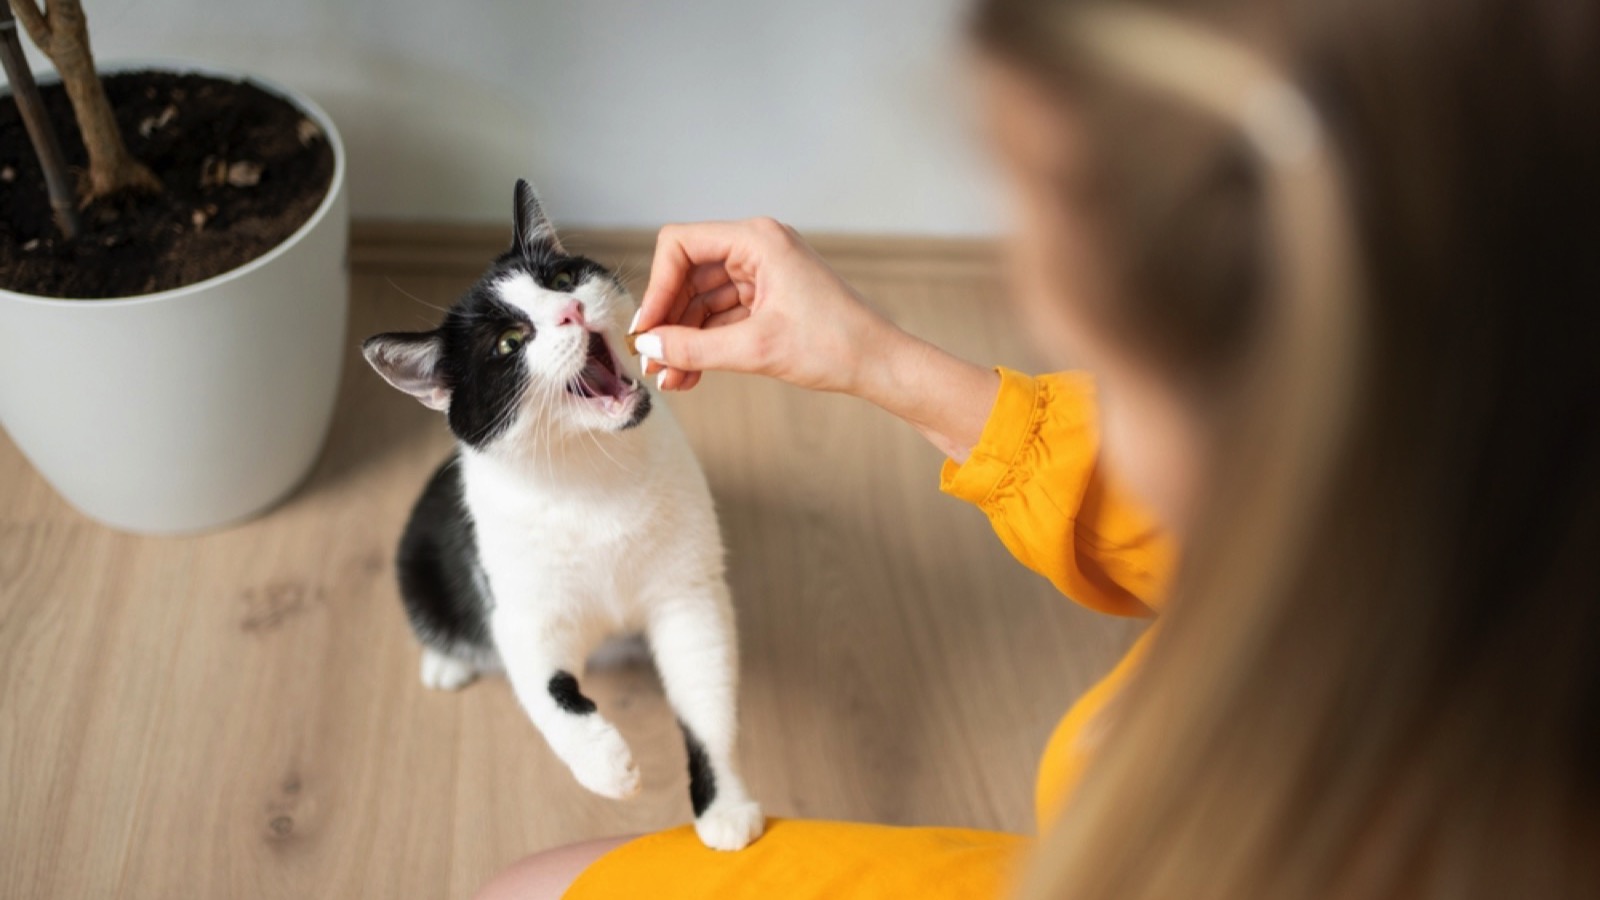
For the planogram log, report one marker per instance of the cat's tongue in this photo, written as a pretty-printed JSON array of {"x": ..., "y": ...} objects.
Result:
[{"x": 598, "y": 378}]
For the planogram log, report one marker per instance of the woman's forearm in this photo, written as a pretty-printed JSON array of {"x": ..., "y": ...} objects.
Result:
[{"x": 944, "y": 397}]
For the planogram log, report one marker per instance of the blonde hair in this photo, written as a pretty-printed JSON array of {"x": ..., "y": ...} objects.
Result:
[{"x": 1364, "y": 686}]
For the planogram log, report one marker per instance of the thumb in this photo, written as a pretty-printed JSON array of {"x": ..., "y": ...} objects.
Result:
[{"x": 728, "y": 348}]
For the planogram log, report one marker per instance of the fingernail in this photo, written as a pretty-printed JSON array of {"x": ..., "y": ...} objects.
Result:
[
  {"x": 649, "y": 347},
  {"x": 634, "y": 325},
  {"x": 661, "y": 380}
]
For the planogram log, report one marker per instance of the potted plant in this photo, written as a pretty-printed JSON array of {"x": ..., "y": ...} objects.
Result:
[{"x": 172, "y": 280}]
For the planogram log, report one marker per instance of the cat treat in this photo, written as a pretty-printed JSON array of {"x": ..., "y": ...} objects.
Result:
[{"x": 572, "y": 511}]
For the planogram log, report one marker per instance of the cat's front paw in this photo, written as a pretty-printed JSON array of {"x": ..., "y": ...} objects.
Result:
[
  {"x": 605, "y": 765},
  {"x": 730, "y": 826}
]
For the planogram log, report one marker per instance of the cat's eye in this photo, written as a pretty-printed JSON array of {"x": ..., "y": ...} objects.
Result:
[
  {"x": 511, "y": 340},
  {"x": 563, "y": 281}
]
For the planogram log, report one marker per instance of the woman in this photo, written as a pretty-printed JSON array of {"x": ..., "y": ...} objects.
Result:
[{"x": 1326, "y": 263}]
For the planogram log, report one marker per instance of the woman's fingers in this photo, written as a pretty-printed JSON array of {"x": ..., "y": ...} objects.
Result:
[
  {"x": 690, "y": 287},
  {"x": 700, "y": 310},
  {"x": 727, "y": 317},
  {"x": 677, "y": 380},
  {"x": 732, "y": 348},
  {"x": 692, "y": 320},
  {"x": 707, "y": 277},
  {"x": 702, "y": 307},
  {"x": 680, "y": 250},
  {"x": 690, "y": 307},
  {"x": 650, "y": 365}
]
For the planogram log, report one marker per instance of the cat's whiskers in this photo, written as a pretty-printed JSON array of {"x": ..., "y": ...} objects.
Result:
[
  {"x": 625, "y": 271},
  {"x": 504, "y": 416},
  {"x": 601, "y": 447},
  {"x": 414, "y": 297},
  {"x": 548, "y": 440}
]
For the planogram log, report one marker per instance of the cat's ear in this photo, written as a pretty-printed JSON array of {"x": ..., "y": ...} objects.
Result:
[
  {"x": 532, "y": 233},
  {"x": 410, "y": 362}
]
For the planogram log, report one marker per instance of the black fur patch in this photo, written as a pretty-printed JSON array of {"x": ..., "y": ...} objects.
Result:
[
  {"x": 702, "y": 781},
  {"x": 641, "y": 408},
  {"x": 485, "y": 389},
  {"x": 564, "y": 688},
  {"x": 441, "y": 581}
]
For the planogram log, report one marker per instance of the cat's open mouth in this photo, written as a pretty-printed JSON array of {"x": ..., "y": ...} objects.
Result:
[{"x": 599, "y": 378}]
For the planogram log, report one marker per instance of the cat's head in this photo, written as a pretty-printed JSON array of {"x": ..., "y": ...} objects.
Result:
[{"x": 529, "y": 352}]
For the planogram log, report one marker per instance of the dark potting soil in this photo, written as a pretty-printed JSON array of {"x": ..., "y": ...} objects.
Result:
[{"x": 242, "y": 170}]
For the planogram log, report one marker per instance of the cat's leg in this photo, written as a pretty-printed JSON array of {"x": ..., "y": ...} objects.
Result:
[
  {"x": 696, "y": 652},
  {"x": 444, "y": 672},
  {"x": 541, "y": 658}
]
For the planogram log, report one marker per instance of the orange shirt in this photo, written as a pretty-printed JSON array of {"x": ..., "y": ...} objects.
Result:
[{"x": 1036, "y": 474}]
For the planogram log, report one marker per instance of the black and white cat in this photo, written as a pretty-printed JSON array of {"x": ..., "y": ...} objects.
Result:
[{"x": 570, "y": 513}]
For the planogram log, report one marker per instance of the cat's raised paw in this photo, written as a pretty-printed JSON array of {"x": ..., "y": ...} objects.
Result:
[
  {"x": 445, "y": 673},
  {"x": 730, "y": 826},
  {"x": 606, "y": 766}
]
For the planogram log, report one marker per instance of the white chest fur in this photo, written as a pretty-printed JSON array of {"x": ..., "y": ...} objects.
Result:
[
  {"x": 585, "y": 542},
  {"x": 595, "y": 530}
]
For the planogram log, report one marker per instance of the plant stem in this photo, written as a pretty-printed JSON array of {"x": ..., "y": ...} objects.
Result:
[
  {"x": 111, "y": 167},
  {"x": 37, "y": 121},
  {"x": 62, "y": 32}
]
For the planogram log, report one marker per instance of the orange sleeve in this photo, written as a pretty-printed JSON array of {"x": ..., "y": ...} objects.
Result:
[{"x": 1036, "y": 474}]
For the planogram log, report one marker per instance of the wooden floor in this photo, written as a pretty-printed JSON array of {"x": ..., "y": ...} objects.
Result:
[{"x": 238, "y": 714}]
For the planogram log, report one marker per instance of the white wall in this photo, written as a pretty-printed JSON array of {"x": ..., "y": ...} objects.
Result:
[{"x": 835, "y": 115}]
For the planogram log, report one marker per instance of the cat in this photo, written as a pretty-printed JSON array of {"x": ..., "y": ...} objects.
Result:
[{"x": 572, "y": 511}]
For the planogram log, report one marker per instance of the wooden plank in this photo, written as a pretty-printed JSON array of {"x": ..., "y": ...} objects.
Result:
[{"x": 431, "y": 248}]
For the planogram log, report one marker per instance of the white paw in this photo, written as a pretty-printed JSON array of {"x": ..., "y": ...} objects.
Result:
[
  {"x": 605, "y": 764},
  {"x": 730, "y": 826},
  {"x": 445, "y": 673}
]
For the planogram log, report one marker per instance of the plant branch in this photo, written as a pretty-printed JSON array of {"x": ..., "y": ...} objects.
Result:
[
  {"x": 40, "y": 130},
  {"x": 35, "y": 20},
  {"x": 65, "y": 33}
]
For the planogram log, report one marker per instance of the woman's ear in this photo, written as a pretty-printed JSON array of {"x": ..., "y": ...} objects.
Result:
[
  {"x": 410, "y": 362},
  {"x": 533, "y": 235}
]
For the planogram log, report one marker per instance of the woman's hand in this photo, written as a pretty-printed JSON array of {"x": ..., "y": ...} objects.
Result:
[{"x": 753, "y": 297}]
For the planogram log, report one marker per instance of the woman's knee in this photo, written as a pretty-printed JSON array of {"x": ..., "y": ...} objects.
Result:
[{"x": 548, "y": 874}]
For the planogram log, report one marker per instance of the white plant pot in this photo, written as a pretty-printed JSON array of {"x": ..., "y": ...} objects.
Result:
[{"x": 195, "y": 407}]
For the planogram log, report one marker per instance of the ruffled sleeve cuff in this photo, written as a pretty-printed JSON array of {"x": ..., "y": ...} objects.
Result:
[{"x": 1013, "y": 420}]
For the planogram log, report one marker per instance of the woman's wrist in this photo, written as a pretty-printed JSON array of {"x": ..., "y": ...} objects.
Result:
[
  {"x": 944, "y": 397},
  {"x": 878, "y": 363}
]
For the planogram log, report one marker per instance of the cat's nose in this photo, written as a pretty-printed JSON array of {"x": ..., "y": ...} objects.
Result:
[{"x": 571, "y": 314}]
